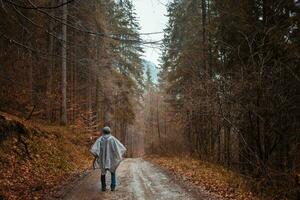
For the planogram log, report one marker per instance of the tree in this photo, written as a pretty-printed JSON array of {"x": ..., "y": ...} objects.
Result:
[
  {"x": 64, "y": 59},
  {"x": 64, "y": 63},
  {"x": 227, "y": 69}
]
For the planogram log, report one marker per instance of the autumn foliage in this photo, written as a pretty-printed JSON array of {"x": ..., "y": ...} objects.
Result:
[
  {"x": 218, "y": 180},
  {"x": 37, "y": 158}
]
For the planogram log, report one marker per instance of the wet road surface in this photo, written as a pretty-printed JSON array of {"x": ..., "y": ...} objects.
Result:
[{"x": 137, "y": 179}]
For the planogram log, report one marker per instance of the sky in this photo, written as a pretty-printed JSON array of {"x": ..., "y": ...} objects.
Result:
[{"x": 151, "y": 14}]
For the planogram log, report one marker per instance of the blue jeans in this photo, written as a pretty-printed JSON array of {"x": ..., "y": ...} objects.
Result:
[{"x": 113, "y": 180}]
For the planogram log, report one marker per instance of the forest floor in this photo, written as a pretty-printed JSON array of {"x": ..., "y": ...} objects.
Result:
[
  {"x": 206, "y": 176},
  {"x": 38, "y": 158}
]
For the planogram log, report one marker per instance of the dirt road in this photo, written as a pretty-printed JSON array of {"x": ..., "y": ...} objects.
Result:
[{"x": 137, "y": 180}]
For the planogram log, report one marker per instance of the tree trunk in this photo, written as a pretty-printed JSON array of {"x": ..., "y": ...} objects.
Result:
[
  {"x": 64, "y": 65},
  {"x": 50, "y": 72},
  {"x": 157, "y": 121}
]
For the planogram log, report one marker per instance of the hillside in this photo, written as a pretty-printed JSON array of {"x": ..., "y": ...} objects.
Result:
[
  {"x": 35, "y": 158},
  {"x": 153, "y": 70}
]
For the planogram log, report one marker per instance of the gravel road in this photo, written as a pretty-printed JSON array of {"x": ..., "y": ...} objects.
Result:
[{"x": 137, "y": 180}]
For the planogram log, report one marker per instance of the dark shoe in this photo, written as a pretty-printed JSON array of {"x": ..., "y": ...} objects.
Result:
[
  {"x": 113, "y": 188},
  {"x": 103, "y": 184}
]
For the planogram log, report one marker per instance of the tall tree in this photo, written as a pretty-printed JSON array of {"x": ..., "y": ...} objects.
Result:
[
  {"x": 227, "y": 69},
  {"x": 64, "y": 64}
]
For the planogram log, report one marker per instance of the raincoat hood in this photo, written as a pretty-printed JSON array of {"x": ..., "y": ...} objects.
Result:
[{"x": 109, "y": 152}]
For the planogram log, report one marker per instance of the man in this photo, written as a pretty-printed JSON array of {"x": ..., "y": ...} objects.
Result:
[{"x": 108, "y": 152}]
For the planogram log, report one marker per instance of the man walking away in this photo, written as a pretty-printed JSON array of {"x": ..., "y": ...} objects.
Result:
[{"x": 108, "y": 152}]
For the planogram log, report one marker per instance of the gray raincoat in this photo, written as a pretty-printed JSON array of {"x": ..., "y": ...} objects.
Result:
[{"x": 109, "y": 152}]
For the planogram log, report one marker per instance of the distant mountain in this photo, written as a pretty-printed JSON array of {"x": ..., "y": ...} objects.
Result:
[{"x": 153, "y": 69}]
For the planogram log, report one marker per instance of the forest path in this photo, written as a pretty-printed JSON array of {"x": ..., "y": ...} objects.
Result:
[{"x": 137, "y": 179}]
